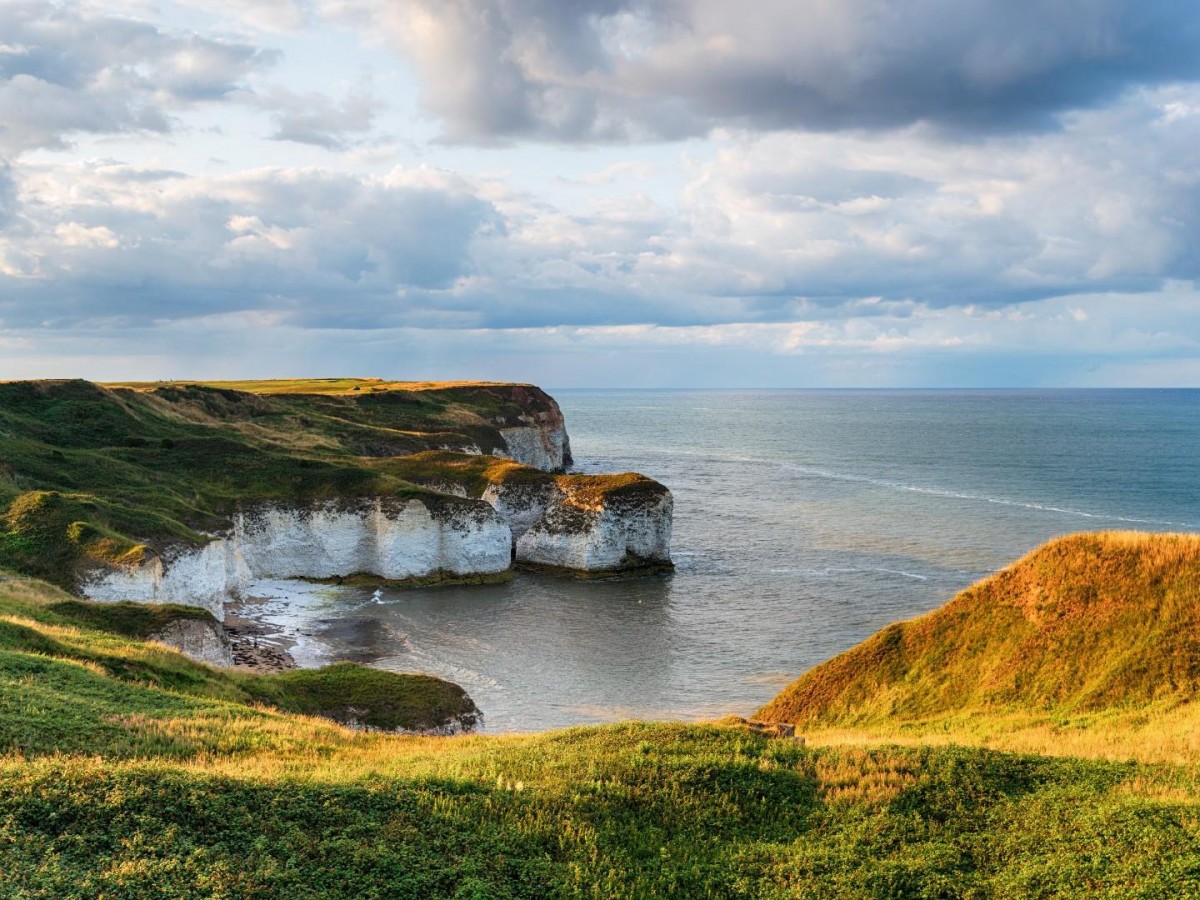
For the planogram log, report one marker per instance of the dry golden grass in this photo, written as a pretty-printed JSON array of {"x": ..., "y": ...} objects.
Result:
[
  {"x": 1162, "y": 733},
  {"x": 1083, "y": 624},
  {"x": 591, "y": 491}
]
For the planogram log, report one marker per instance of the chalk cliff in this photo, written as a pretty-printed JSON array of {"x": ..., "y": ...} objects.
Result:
[
  {"x": 186, "y": 492},
  {"x": 201, "y": 639},
  {"x": 602, "y": 524},
  {"x": 390, "y": 538},
  {"x": 583, "y": 523}
]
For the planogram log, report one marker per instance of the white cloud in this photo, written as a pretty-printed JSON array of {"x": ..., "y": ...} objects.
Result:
[
  {"x": 68, "y": 69},
  {"x": 860, "y": 224}
]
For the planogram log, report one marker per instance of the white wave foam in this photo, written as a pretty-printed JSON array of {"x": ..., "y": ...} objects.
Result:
[{"x": 813, "y": 472}]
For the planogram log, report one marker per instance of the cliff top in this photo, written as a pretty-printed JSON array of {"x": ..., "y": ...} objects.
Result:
[
  {"x": 327, "y": 386},
  {"x": 474, "y": 473},
  {"x": 1081, "y": 625}
]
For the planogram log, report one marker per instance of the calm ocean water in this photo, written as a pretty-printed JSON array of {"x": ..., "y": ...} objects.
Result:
[{"x": 804, "y": 521}]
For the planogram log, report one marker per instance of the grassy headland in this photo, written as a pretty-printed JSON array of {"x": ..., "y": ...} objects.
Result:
[{"x": 92, "y": 474}]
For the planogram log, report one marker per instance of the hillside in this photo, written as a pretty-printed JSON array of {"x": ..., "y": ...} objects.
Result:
[
  {"x": 79, "y": 677},
  {"x": 1083, "y": 628},
  {"x": 129, "y": 771}
]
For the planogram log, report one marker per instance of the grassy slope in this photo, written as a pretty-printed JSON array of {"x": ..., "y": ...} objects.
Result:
[
  {"x": 1090, "y": 644},
  {"x": 133, "y": 772},
  {"x": 171, "y": 785},
  {"x": 78, "y": 678},
  {"x": 89, "y": 474}
]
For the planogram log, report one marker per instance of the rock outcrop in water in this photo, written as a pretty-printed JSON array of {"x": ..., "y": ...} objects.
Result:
[
  {"x": 587, "y": 524},
  {"x": 602, "y": 524}
]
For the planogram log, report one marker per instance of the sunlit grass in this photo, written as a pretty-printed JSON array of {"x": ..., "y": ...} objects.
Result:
[
  {"x": 93, "y": 476},
  {"x": 1085, "y": 623},
  {"x": 132, "y": 772},
  {"x": 307, "y": 385}
]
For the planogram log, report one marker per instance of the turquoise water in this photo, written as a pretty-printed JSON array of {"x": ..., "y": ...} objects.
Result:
[{"x": 804, "y": 521}]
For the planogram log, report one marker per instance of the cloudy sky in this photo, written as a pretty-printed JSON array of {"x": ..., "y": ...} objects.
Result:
[{"x": 780, "y": 193}]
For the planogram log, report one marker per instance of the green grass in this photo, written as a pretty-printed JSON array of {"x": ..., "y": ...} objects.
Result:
[
  {"x": 634, "y": 810},
  {"x": 77, "y": 677},
  {"x": 313, "y": 386},
  {"x": 133, "y": 772}
]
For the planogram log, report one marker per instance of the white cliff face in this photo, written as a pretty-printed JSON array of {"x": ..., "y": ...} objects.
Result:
[
  {"x": 201, "y": 639},
  {"x": 204, "y": 577},
  {"x": 621, "y": 533},
  {"x": 544, "y": 447},
  {"x": 381, "y": 537},
  {"x": 522, "y": 505}
]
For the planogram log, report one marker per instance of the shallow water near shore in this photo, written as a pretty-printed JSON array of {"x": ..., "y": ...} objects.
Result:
[{"x": 804, "y": 521}]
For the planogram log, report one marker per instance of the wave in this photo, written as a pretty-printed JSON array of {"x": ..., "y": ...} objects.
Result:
[
  {"x": 832, "y": 571},
  {"x": 979, "y": 498},
  {"x": 813, "y": 472}
]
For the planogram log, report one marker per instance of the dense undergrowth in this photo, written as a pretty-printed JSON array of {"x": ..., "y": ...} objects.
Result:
[{"x": 133, "y": 772}]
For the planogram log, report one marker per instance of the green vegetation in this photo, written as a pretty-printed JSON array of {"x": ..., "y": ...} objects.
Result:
[
  {"x": 625, "y": 811},
  {"x": 315, "y": 385},
  {"x": 94, "y": 476},
  {"x": 133, "y": 772},
  {"x": 473, "y": 473},
  {"x": 135, "y": 620},
  {"x": 75, "y": 677},
  {"x": 355, "y": 695}
]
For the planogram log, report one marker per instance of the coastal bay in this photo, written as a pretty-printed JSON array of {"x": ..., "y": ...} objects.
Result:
[{"x": 805, "y": 521}]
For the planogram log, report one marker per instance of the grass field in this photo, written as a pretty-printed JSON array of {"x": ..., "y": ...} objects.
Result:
[
  {"x": 132, "y": 772},
  {"x": 310, "y": 385}
]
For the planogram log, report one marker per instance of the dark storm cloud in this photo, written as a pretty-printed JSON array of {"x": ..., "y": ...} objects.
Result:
[
  {"x": 612, "y": 70},
  {"x": 65, "y": 70}
]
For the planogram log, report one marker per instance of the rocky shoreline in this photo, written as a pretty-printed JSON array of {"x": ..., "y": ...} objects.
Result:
[{"x": 256, "y": 647}]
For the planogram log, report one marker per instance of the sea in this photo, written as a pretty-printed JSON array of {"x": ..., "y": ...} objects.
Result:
[{"x": 804, "y": 522}]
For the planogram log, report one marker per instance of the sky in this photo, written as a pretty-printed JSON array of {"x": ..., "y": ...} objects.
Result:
[{"x": 603, "y": 193}]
